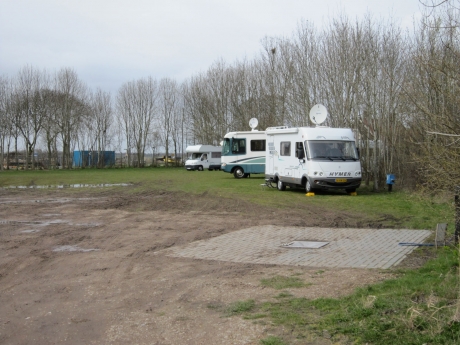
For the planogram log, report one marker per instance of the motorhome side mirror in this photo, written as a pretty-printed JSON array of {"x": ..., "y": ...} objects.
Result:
[
  {"x": 357, "y": 149},
  {"x": 300, "y": 154}
]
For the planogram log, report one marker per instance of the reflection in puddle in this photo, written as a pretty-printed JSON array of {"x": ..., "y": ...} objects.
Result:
[
  {"x": 78, "y": 185},
  {"x": 72, "y": 249},
  {"x": 46, "y": 223},
  {"x": 19, "y": 222},
  {"x": 49, "y": 201}
]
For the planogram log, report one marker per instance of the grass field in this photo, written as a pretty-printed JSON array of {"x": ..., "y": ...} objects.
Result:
[
  {"x": 412, "y": 211},
  {"x": 419, "y": 307}
]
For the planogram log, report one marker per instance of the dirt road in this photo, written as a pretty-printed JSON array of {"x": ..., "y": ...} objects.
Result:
[{"x": 89, "y": 267}]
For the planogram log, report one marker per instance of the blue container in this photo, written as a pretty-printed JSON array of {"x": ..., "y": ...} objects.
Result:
[
  {"x": 391, "y": 179},
  {"x": 82, "y": 159}
]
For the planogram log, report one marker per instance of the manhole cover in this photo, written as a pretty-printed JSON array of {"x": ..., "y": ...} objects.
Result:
[{"x": 304, "y": 244}]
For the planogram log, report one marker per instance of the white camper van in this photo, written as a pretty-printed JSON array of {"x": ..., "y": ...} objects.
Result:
[
  {"x": 243, "y": 153},
  {"x": 314, "y": 158},
  {"x": 202, "y": 157}
]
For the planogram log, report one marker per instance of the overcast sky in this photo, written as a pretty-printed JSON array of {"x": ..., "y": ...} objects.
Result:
[{"x": 110, "y": 42}]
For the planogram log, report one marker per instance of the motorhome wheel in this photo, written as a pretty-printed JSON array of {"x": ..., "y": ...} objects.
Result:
[
  {"x": 200, "y": 168},
  {"x": 308, "y": 187},
  {"x": 281, "y": 185},
  {"x": 239, "y": 173}
]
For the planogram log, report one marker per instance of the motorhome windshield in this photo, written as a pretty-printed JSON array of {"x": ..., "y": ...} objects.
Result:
[
  {"x": 226, "y": 146},
  {"x": 331, "y": 150},
  {"x": 233, "y": 146},
  {"x": 195, "y": 155}
]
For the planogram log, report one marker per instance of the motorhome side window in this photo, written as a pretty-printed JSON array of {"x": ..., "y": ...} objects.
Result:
[
  {"x": 298, "y": 146},
  {"x": 257, "y": 145},
  {"x": 285, "y": 148},
  {"x": 239, "y": 146},
  {"x": 216, "y": 154}
]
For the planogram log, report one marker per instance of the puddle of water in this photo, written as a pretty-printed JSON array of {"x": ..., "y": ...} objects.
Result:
[
  {"x": 50, "y": 201},
  {"x": 89, "y": 225},
  {"x": 30, "y": 231},
  {"x": 20, "y": 222},
  {"x": 72, "y": 249},
  {"x": 78, "y": 185},
  {"x": 57, "y": 221},
  {"x": 46, "y": 223}
]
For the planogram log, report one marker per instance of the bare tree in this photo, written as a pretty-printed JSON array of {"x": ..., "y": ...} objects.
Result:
[
  {"x": 5, "y": 119},
  {"x": 379, "y": 124},
  {"x": 71, "y": 108},
  {"x": 435, "y": 94},
  {"x": 30, "y": 107},
  {"x": 50, "y": 132},
  {"x": 307, "y": 80},
  {"x": 100, "y": 124},
  {"x": 168, "y": 112},
  {"x": 137, "y": 106}
]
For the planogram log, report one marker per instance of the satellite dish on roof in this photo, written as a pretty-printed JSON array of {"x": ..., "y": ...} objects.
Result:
[
  {"x": 318, "y": 114},
  {"x": 253, "y": 123}
]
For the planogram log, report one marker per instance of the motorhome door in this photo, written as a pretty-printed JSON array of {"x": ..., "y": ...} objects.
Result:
[{"x": 271, "y": 156}]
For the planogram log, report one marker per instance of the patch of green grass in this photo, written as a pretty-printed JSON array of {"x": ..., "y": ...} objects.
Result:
[
  {"x": 254, "y": 316},
  {"x": 416, "y": 308},
  {"x": 281, "y": 282},
  {"x": 271, "y": 340},
  {"x": 240, "y": 307},
  {"x": 284, "y": 294}
]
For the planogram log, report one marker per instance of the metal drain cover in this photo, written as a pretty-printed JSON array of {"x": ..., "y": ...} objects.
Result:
[{"x": 304, "y": 244}]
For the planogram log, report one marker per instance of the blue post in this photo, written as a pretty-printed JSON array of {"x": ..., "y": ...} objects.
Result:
[{"x": 390, "y": 181}]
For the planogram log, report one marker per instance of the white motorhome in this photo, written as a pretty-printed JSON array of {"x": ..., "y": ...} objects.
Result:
[
  {"x": 243, "y": 153},
  {"x": 202, "y": 157},
  {"x": 314, "y": 158}
]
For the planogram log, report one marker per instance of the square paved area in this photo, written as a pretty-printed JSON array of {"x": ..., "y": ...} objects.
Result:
[{"x": 355, "y": 248}]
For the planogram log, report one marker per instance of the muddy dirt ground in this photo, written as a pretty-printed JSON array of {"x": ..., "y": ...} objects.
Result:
[{"x": 90, "y": 267}]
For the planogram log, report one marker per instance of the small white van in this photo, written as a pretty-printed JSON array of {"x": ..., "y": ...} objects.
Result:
[{"x": 202, "y": 157}]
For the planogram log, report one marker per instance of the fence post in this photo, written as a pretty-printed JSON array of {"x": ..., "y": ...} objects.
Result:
[{"x": 457, "y": 214}]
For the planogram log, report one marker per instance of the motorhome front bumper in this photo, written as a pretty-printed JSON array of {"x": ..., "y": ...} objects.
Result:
[{"x": 335, "y": 183}]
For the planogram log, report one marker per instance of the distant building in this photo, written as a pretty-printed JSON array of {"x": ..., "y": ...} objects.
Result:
[{"x": 93, "y": 159}]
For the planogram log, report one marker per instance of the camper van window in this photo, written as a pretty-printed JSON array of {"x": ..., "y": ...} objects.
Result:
[
  {"x": 216, "y": 154},
  {"x": 331, "y": 149},
  {"x": 257, "y": 145},
  {"x": 298, "y": 146},
  {"x": 226, "y": 146},
  {"x": 195, "y": 156},
  {"x": 239, "y": 146},
  {"x": 285, "y": 148}
]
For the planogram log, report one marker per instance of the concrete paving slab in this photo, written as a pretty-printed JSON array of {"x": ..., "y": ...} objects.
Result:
[{"x": 352, "y": 248}]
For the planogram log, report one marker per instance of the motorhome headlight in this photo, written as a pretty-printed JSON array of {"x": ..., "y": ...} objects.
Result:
[
  {"x": 358, "y": 173},
  {"x": 315, "y": 173},
  {"x": 224, "y": 164},
  {"x": 318, "y": 173}
]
